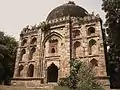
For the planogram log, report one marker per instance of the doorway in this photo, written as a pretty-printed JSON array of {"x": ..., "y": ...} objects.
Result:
[{"x": 52, "y": 73}]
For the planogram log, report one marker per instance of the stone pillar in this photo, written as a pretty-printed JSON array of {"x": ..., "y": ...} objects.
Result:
[
  {"x": 38, "y": 70},
  {"x": 103, "y": 72},
  {"x": 17, "y": 63},
  {"x": 26, "y": 61},
  {"x": 18, "y": 57},
  {"x": 65, "y": 53}
]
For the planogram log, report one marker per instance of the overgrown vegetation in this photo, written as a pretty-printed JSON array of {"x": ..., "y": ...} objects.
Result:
[
  {"x": 8, "y": 48},
  {"x": 81, "y": 77},
  {"x": 44, "y": 26}
]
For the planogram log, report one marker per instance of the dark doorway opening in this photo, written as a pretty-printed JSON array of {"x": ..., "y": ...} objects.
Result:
[
  {"x": 52, "y": 73},
  {"x": 30, "y": 70}
]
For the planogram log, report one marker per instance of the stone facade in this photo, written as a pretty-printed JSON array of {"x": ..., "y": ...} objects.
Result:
[{"x": 43, "y": 54}]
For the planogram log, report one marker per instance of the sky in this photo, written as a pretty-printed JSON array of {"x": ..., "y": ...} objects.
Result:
[{"x": 16, "y": 14}]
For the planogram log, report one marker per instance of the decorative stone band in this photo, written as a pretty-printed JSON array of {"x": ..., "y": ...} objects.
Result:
[
  {"x": 86, "y": 19},
  {"x": 58, "y": 20},
  {"x": 27, "y": 82},
  {"x": 36, "y": 27},
  {"x": 27, "y": 78}
]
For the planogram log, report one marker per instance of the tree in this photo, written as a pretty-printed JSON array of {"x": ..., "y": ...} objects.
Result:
[
  {"x": 81, "y": 77},
  {"x": 8, "y": 47},
  {"x": 112, "y": 10}
]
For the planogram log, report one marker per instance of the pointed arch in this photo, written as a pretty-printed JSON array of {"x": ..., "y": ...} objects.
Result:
[
  {"x": 24, "y": 42},
  {"x": 20, "y": 71},
  {"x": 53, "y": 50},
  {"x": 52, "y": 41},
  {"x": 90, "y": 31},
  {"x": 52, "y": 34},
  {"x": 33, "y": 41},
  {"x": 77, "y": 48},
  {"x": 23, "y": 51},
  {"x": 31, "y": 53},
  {"x": 92, "y": 43},
  {"x": 52, "y": 73},
  {"x": 53, "y": 46},
  {"x": 30, "y": 71},
  {"x": 94, "y": 62}
]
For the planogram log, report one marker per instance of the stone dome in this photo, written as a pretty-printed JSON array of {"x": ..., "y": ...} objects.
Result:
[{"x": 67, "y": 9}]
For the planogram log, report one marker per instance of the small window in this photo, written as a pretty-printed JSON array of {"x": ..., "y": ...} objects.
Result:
[
  {"x": 32, "y": 51},
  {"x": 53, "y": 50},
  {"x": 30, "y": 72},
  {"x": 53, "y": 46},
  {"x": 76, "y": 48},
  {"x": 76, "y": 44},
  {"x": 22, "y": 53},
  {"x": 34, "y": 41},
  {"x": 76, "y": 33},
  {"x": 91, "y": 30},
  {"x": 23, "y": 42},
  {"x": 91, "y": 44},
  {"x": 20, "y": 71},
  {"x": 94, "y": 63}
]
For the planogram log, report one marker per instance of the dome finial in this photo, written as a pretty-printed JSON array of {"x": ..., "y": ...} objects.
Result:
[{"x": 71, "y": 2}]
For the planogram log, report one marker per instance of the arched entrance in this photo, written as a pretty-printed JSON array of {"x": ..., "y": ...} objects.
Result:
[
  {"x": 30, "y": 70},
  {"x": 52, "y": 73}
]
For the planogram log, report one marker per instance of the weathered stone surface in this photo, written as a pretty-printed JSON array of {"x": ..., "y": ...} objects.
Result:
[{"x": 53, "y": 46}]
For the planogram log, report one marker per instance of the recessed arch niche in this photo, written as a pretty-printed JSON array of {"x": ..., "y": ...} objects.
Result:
[{"x": 52, "y": 73}]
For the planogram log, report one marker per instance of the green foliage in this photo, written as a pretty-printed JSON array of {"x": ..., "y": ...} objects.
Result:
[
  {"x": 112, "y": 10},
  {"x": 8, "y": 48},
  {"x": 60, "y": 88},
  {"x": 81, "y": 77}
]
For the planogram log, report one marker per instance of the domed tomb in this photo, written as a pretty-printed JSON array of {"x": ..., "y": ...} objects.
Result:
[{"x": 68, "y": 9}]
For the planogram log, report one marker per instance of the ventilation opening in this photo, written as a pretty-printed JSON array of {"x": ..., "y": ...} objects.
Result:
[{"x": 53, "y": 50}]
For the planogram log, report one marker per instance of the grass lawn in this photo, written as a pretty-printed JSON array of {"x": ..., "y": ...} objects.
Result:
[
  {"x": 17, "y": 88},
  {"x": 24, "y": 88}
]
